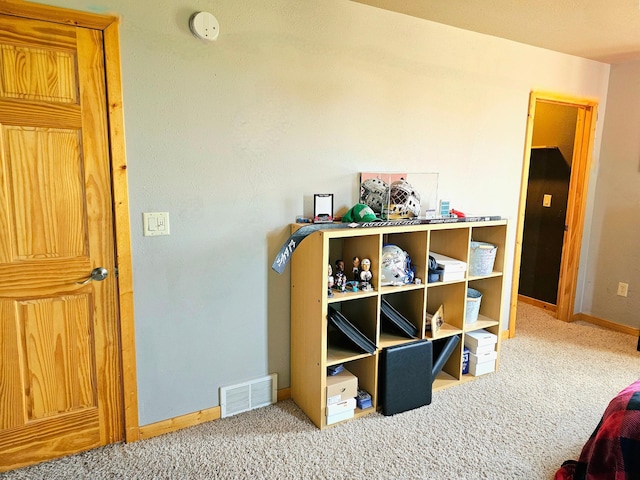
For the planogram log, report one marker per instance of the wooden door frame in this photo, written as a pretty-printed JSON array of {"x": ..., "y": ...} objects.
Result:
[
  {"x": 111, "y": 38},
  {"x": 576, "y": 205}
]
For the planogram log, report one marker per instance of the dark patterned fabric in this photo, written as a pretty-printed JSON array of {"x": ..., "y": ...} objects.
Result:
[{"x": 613, "y": 450}]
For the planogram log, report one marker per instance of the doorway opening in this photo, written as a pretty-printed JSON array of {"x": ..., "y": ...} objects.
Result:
[{"x": 555, "y": 177}]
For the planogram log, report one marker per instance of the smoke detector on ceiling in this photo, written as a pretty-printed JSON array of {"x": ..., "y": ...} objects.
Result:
[{"x": 204, "y": 26}]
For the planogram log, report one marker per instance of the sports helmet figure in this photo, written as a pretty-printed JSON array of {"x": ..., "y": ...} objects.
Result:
[
  {"x": 394, "y": 266},
  {"x": 404, "y": 200},
  {"x": 374, "y": 193}
]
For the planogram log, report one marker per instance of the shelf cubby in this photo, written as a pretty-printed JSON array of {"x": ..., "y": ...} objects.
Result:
[
  {"x": 316, "y": 343},
  {"x": 452, "y": 296},
  {"x": 409, "y": 305}
]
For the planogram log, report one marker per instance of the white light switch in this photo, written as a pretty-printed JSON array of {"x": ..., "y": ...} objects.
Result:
[
  {"x": 546, "y": 200},
  {"x": 155, "y": 223}
]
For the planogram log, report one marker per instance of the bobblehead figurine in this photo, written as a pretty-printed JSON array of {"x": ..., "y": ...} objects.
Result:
[{"x": 366, "y": 275}]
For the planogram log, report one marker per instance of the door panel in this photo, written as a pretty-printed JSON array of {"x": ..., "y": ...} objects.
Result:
[
  {"x": 60, "y": 389},
  {"x": 47, "y": 197},
  {"x": 33, "y": 73},
  {"x": 57, "y": 357}
]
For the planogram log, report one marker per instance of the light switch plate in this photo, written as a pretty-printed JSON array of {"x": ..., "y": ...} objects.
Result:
[{"x": 155, "y": 223}]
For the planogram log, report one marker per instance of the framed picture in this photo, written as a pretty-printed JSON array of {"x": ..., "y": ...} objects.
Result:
[
  {"x": 436, "y": 321},
  {"x": 323, "y": 208}
]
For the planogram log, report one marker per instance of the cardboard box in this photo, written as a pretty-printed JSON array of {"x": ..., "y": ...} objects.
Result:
[
  {"x": 341, "y": 387},
  {"x": 479, "y": 338},
  {"x": 477, "y": 369},
  {"x": 339, "y": 417},
  {"x": 336, "y": 408}
]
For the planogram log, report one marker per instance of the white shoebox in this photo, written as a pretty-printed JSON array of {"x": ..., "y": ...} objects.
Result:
[
  {"x": 483, "y": 357},
  {"x": 337, "y": 408},
  {"x": 339, "y": 417},
  {"x": 491, "y": 347},
  {"x": 481, "y": 363},
  {"x": 480, "y": 338},
  {"x": 477, "y": 369},
  {"x": 452, "y": 269}
]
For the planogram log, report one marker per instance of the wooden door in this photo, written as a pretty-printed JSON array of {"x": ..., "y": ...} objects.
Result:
[{"x": 60, "y": 387}]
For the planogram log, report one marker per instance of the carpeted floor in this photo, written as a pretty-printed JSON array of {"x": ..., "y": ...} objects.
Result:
[{"x": 522, "y": 422}]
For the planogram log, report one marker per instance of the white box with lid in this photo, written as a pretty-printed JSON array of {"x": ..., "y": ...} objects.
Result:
[
  {"x": 339, "y": 417},
  {"x": 337, "y": 408},
  {"x": 479, "y": 338},
  {"x": 483, "y": 357},
  {"x": 482, "y": 363}
]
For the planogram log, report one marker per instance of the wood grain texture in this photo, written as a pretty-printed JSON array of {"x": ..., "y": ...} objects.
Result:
[
  {"x": 49, "y": 438},
  {"x": 57, "y": 204},
  {"x": 177, "y": 423},
  {"x": 97, "y": 183},
  {"x": 47, "y": 201},
  {"x": 12, "y": 405},
  {"x": 59, "y": 350},
  {"x": 36, "y": 34},
  {"x": 122, "y": 230},
  {"x": 24, "y": 112},
  {"x": 38, "y": 74},
  {"x": 20, "y": 8}
]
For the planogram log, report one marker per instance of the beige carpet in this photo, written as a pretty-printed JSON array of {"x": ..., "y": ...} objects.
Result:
[{"x": 554, "y": 382}]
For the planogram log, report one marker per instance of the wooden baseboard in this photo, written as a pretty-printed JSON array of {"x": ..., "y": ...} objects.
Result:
[
  {"x": 192, "y": 419},
  {"x": 284, "y": 394},
  {"x": 177, "y": 423},
  {"x": 537, "y": 303},
  {"x": 607, "y": 324}
]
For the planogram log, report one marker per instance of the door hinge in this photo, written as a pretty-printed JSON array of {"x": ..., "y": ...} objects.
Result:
[{"x": 116, "y": 272}]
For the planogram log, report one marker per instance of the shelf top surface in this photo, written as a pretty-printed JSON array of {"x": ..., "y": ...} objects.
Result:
[{"x": 338, "y": 229}]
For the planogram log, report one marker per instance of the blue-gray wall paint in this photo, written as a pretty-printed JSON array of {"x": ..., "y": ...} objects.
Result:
[{"x": 294, "y": 98}]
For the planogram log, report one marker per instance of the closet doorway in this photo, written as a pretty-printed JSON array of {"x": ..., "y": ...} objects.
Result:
[{"x": 555, "y": 176}]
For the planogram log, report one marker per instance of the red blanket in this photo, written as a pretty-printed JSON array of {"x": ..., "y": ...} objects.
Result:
[{"x": 613, "y": 450}]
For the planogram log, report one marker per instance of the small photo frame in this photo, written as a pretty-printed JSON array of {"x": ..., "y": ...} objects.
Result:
[
  {"x": 437, "y": 321},
  {"x": 323, "y": 208}
]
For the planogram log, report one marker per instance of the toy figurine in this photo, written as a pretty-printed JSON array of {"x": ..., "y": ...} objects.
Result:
[
  {"x": 330, "y": 280},
  {"x": 340, "y": 278},
  {"x": 356, "y": 268},
  {"x": 366, "y": 275}
]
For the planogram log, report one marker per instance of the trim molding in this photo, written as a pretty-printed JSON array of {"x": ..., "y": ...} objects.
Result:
[
  {"x": 36, "y": 11},
  {"x": 284, "y": 394},
  {"x": 617, "y": 327},
  {"x": 178, "y": 423},
  {"x": 191, "y": 419},
  {"x": 537, "y": 303}
]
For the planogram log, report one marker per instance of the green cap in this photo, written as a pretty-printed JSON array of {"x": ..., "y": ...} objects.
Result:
[{"x": 360, "y": 213}]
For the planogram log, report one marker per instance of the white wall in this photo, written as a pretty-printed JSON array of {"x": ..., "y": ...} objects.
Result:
[
  {"x": 614, "y": 252},
  {"x": 294, "y": 98}
]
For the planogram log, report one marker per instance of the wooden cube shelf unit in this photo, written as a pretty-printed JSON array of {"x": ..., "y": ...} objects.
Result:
[{"x": 315, "y": 345}]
